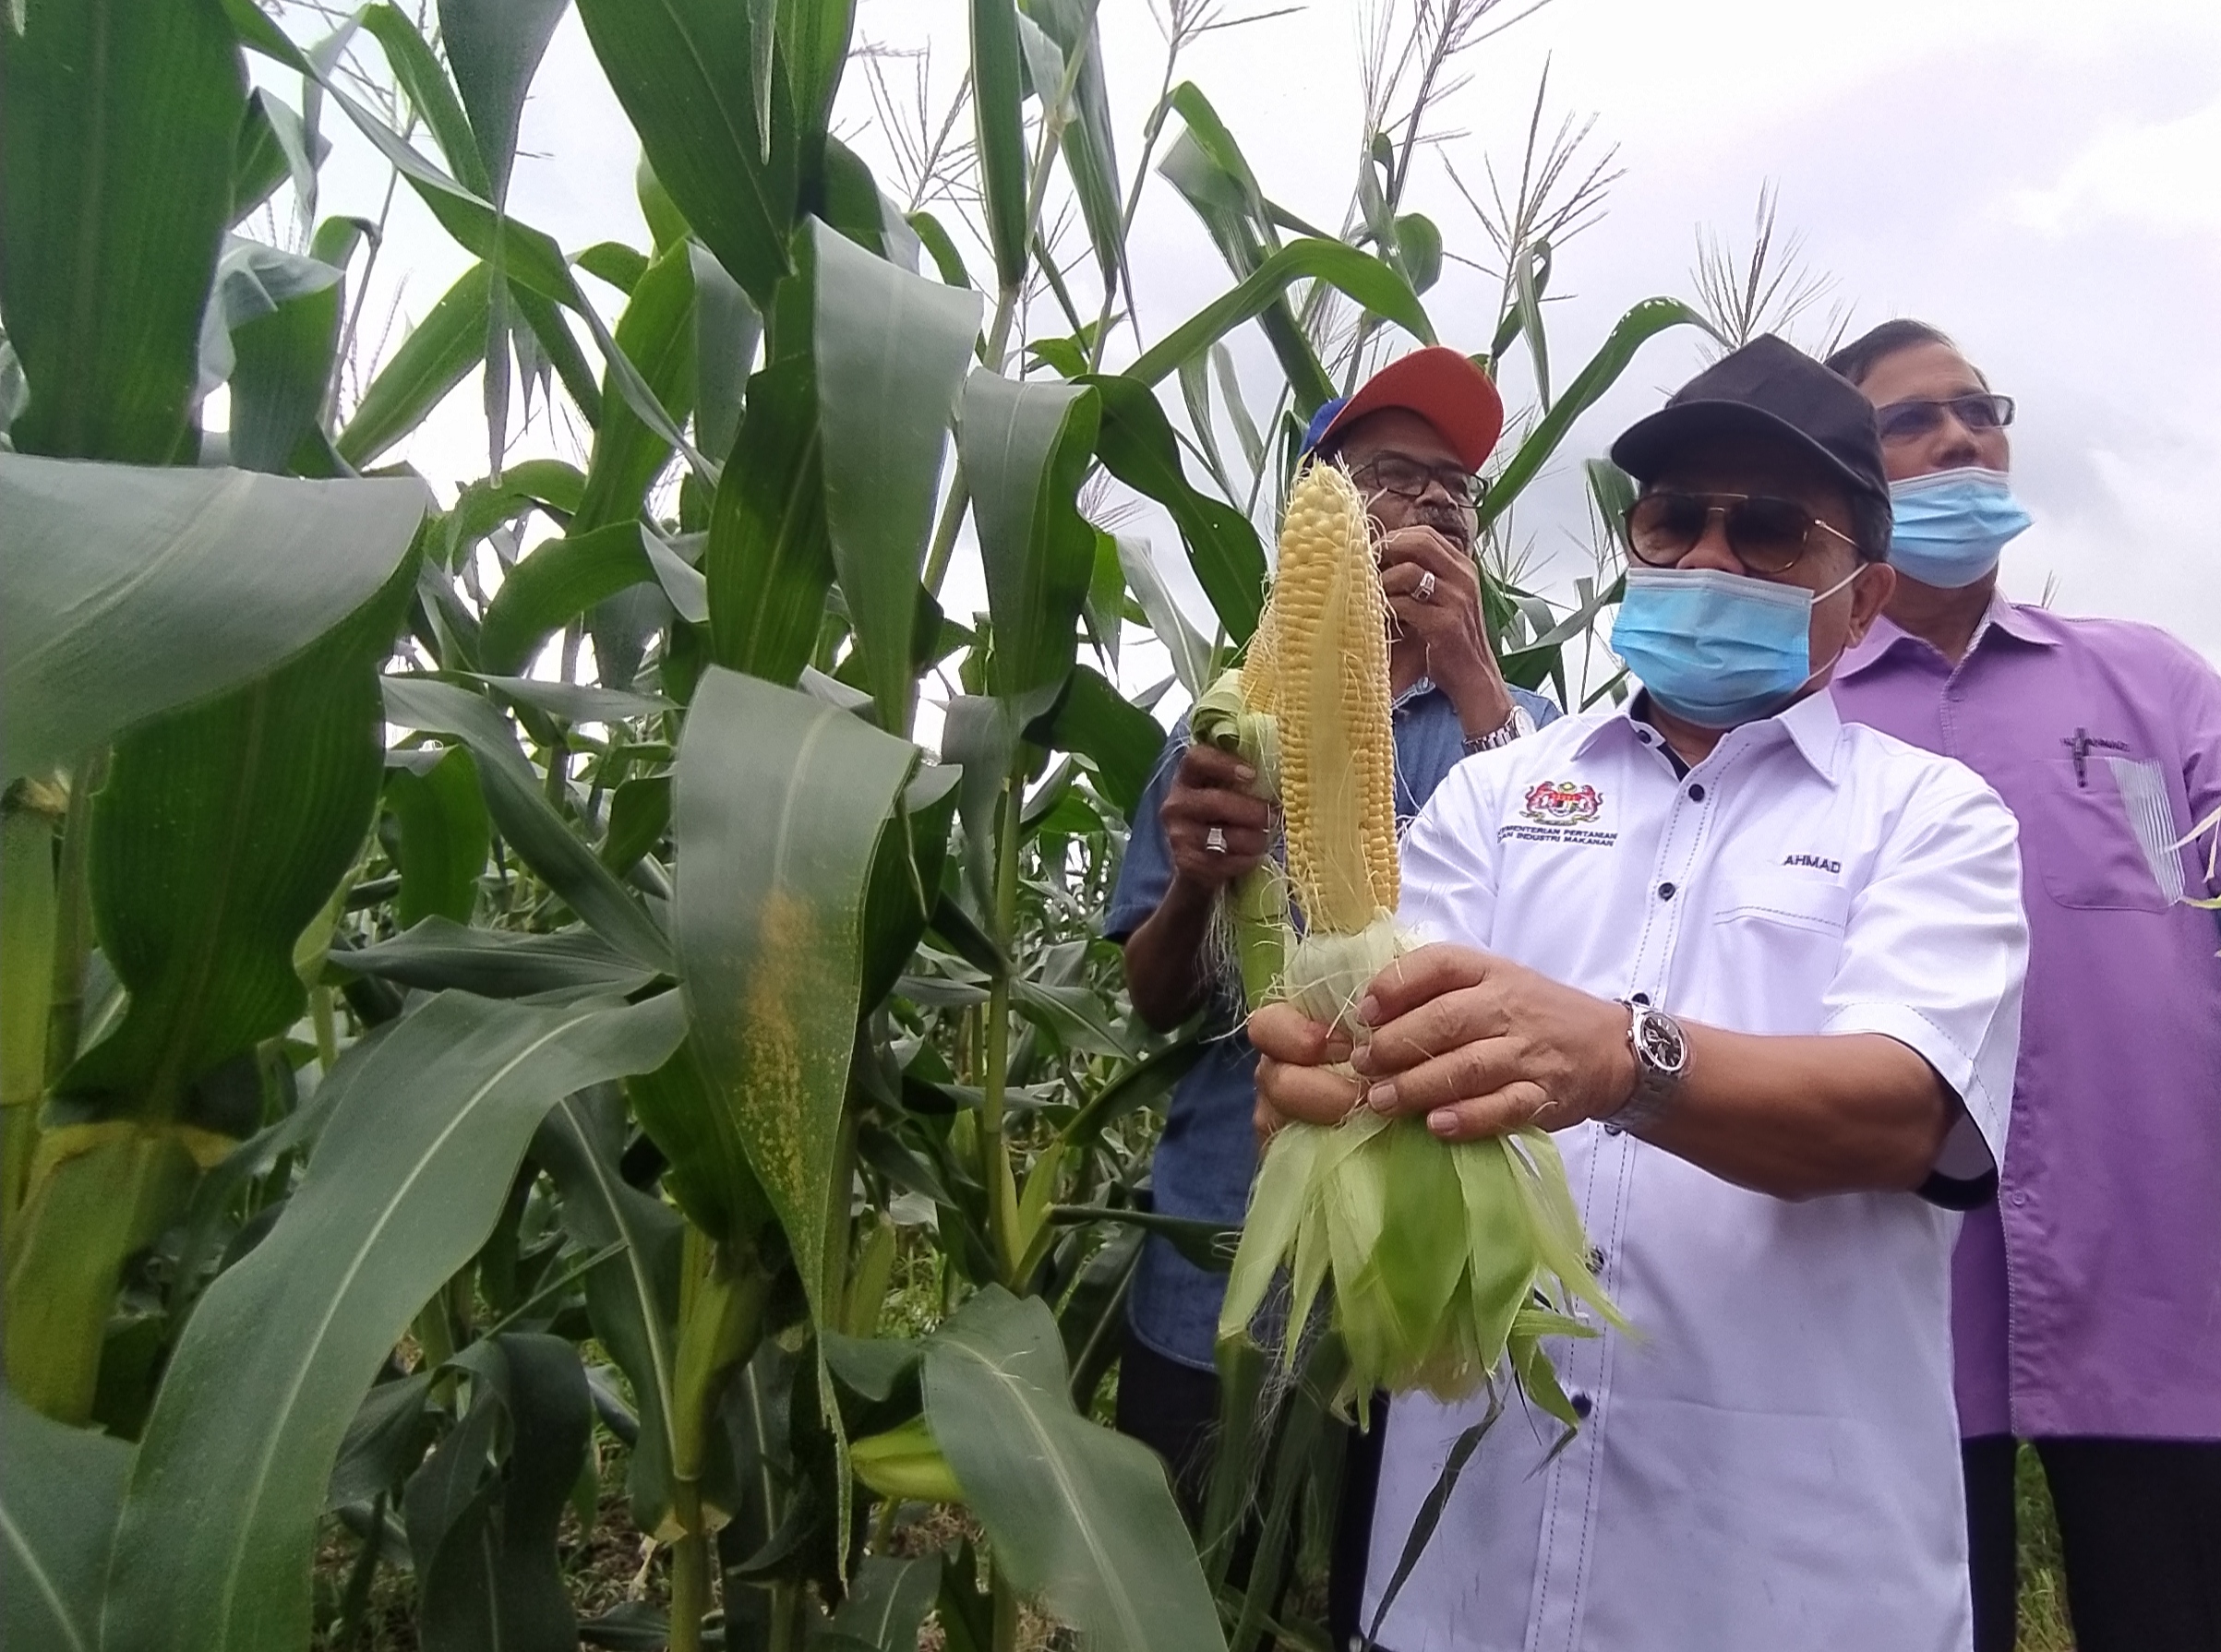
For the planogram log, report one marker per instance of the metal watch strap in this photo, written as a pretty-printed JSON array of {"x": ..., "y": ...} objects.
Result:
[
  {"x": 1655, "y": 1081},
  {"x": 1510, "y": 729}
]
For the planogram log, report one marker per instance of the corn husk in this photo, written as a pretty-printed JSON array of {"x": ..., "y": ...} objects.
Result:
[{"x": 1435, "y": 1262}]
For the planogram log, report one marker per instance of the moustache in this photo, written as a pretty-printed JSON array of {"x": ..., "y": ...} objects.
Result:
[{"x": 1453, "y": 524}]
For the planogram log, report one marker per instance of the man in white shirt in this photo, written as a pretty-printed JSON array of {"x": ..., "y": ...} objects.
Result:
[{"x": 1762, "y": 969}]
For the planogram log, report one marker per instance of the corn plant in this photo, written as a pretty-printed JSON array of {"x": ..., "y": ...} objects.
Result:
[{"x": 433, "y": 1065}]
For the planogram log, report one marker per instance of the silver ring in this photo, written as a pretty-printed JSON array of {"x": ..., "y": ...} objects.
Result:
[
  {"x": 1425, "y": 592},
  {"x": 1215, "y": 839}
]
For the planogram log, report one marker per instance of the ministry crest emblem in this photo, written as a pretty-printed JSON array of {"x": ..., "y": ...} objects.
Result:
[{"x": 1563, "y": 803}]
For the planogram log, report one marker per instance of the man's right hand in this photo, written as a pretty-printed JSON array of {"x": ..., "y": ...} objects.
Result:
[{"x": 1209, "y": 789}]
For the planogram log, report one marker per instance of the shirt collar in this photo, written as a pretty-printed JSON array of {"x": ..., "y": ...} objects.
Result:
[
  {"x": 1811, "y": 724},
  {"x": 1421, "y": 685},
  {"x": 1885, "y": 634}
]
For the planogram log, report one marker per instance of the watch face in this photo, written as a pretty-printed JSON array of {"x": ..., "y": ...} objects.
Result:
[{"x": 1662, "y": 1043}]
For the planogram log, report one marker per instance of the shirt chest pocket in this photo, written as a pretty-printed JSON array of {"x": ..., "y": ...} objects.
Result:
[
  {"x": 2101, "y": 838},
  {"x": 1778, "y": 936},
  {"x": 1807, "y": 904}
]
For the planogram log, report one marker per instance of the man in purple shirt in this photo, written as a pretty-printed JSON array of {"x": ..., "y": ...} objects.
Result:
[{"x": 2087, "y": 1298}]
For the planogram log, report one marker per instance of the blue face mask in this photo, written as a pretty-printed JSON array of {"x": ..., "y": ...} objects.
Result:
[
  {"x": 1949, "y": 529},
  {"x": 1717, "y": 649}
]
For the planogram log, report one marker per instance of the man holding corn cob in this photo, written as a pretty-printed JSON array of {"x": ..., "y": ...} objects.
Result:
[
  {"x": 1413, "y": 438},
  {"x": 2086, "y": 1300},
  {"x": 1759, "y": 971}
]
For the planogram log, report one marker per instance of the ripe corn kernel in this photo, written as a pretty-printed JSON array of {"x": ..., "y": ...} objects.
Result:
[{"x": 1319, "y": 665}]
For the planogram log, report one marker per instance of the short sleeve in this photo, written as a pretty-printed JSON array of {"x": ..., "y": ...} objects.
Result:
[
  {"x": 1936, "y": 955},
  {"x": 1449, "y": 861},
  {"x": 1541, "y": 710},
  {"x": 1147, "y": 872}
]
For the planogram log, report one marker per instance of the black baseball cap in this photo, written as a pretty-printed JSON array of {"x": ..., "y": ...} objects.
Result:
[{"x": 1771, "y": 388}]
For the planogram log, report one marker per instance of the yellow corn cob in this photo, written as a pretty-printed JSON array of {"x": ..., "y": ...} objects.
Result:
[{"x": 1324, "y": 676}]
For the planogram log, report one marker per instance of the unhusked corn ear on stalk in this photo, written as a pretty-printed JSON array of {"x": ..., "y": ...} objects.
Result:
[
  {"x": 1257, "y": 906},
  {"x": 1443, "y": 1259}
]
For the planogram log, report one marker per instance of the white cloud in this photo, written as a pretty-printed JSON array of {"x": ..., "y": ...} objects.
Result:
[{"x": 2164, "y": 176}]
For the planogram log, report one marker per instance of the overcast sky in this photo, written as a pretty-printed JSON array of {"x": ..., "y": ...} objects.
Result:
[{"x": 2041, "y": 179}]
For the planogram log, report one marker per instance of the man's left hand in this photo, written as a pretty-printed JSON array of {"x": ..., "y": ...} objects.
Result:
[
  {"x": 1447, "y": 622},
  {"x": 1480, "y": 1046}
]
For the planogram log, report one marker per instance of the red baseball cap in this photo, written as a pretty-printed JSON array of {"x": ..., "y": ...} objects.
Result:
[{"x": 1439, "y": 385}]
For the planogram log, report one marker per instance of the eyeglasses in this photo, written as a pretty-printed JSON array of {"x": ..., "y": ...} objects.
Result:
[
  {"x": 1767, "y": 535},
  {"x": 1907, "y": 420},
  {"x": 1407, "y": 479}
]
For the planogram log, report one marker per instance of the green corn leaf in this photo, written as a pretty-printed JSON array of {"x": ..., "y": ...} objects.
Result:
[
  {"x": 779, "y": 806},
  {"x": 614, "y": 262},
  {"x": 1120, "y": 741},
  {"x": 1026, "y": 449},
  {"x": 1090, "y": 156},
  {"x": 60, "y": 1489},
  {"x": 1081, "y": 1516},
  {"x": 1359, "y": 275},
  {"x": 220, "y": 830},
  {"x": 1217, "y": 146},
  {"x": 528, "y": 822},
  {"x": 769, "y": 560},
  {"x": 536, "y": 320},
  {"x": 482, "y": 1538},
  {"x": 444, "y": 837},
  {"x": 998, "y": 97},
  {"x": 126, "y": 591},
  {"x": 1191, "y": 654},
  {"x": 905, "y": 878},
  {"x": 887, "y": 1603},
  {"x": 119, "y": 126},
  {"x": 273, "y": 147},
  {"x": 494, "y": 47},
  {"x": 708, "y": 1175},
  {"x": 557, "y": 580},
  {"x": 1419, "y": 250},
  {"x": 437, "y": 954},
  {"x": 282, "y": 369},
  {"x": 890, "y": 350},
  {"x": 814, "y": 39},
  {"x": 655, "y": 334},
  {"x": 219, "y": 1524},
  {"x": 435, "y": 358},
  {"x": 726, "y": 331},
  {"x": 979, "y": 733},
  {"x": 1137, "y": 444},
  {"x": 417, "y": 72},
  {"x": 685, "y": 72},
  {"x": 633, "y": 1304},
  {"x": 946, "y": 259},
  {"x": 1642, "y": 323}
]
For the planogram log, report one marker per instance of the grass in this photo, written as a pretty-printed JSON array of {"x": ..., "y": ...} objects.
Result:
[{"x": 2044, "y": 1626}]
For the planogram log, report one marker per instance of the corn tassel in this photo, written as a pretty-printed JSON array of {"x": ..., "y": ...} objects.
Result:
[{"x": 1443, "y": 1261}]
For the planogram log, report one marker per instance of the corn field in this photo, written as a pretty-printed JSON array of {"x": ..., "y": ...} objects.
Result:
[{"x": 562, "y": 1083}]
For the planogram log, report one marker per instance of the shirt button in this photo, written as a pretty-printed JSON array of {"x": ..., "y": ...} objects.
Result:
[
  {"x": 1697, "y": 792},
  {"x": 1582, "y": 1404},
  {"x": 1665, "y": 892},
  {"x": 2017, "y": 1198}
]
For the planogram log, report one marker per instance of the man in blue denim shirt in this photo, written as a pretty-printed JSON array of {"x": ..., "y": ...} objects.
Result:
[{"x": 1412, "y": 438}]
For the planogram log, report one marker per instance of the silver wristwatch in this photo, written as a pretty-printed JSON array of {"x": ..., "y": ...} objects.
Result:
[
  {"x": 1662, "y": 1056},
  {"x": 1512, "y": 728}
]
